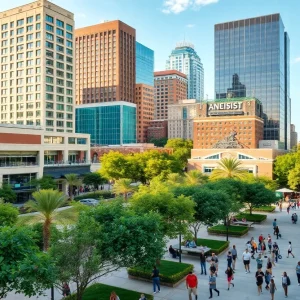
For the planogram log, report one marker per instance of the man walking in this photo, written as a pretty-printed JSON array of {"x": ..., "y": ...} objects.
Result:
[
  {"x": 274, "y": 225},
  {"x": 155, "y": 280},
  {"x": 298, "y": 272},
  {"x": 246, "y": 260},
  {"x": 203, "y": 262},
  {"x": 290, "y": 250},
  {"x": 192, "y": 284},
  {"x": 213, "y": 285},
  {"x": 276, "y": 251}
]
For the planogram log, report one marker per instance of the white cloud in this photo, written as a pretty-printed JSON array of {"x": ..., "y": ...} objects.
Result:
[
  {"x": 190, "y": 25},
  {"x": 178, "y": 6}
]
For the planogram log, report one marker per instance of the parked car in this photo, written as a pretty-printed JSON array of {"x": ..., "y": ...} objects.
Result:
[{"x": 89, "y": 202}]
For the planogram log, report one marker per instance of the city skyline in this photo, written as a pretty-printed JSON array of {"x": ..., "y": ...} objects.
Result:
[{"x": 194, "y": 23}]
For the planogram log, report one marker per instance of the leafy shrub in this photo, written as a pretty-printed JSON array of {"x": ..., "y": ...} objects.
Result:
[
  {"x": 232, "y": 230},
  {"x": 8, "y": 214},
  {"x": 169, "y": 271},
  {"x": 251, "y": 218},
  {"x": 270, "y": 208},
  {"x": 95, "y": 195},
  {"x": 216, "y": 246}
]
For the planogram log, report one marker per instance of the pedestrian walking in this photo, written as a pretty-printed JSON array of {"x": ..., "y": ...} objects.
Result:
[
  {"x": 269, "y": 241},
  {"x": 267, "y": 279},
  {"x": 191, "y": 285},
  {"x": 203, "y": 262},
  {"x": 285, "y": 280},
  {"x": 246, "y": 260},
  {"x": 155, "y": 280},
  {"x": 229, "y": 259},
  {"x": 269, "y": 266},
  {"x": 215, "y": 259},
  {"x": 259, "y": 262},
  {"x": 259, "y": 275},
  {"x": 277, "y": 232},
  {"x": 274, "y": 225},
  {"x": 213, "y": 285},
  {"x": 276, "y": 251},
  {"x": 272, "y": 288},
  {"x": 212, "y": 268},
  {"x": 66, "y": 290},
  {"x": 273, "y": 258},
  {"x": 234, "y": 256},
  {"x": 288, "y": 209},
  {"x": 298, "y": 272},
  {"x": 230, "y": 277},
  {"x": 280, "y": 206},
  {"x": 290, "y": 250}
]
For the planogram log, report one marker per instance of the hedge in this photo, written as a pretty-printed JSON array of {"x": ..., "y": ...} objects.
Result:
[
  {"x": 251, "y": 218},
  {"x": 95, "y": 195},
  {"x": 101, "y": 291},
  {"x": 169, "y": 271},
  {"x": 216, "y": 246},
  {"x": 270, "y": 208},
  {"x": 232, "y": 230}
]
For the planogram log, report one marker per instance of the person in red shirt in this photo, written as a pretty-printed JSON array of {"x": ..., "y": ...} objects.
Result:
[
  {"x": 192, "y": 284},
  {"x": 261, "y": 238}
]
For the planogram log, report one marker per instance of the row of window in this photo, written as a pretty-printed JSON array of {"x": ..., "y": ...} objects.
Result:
[
  {"x": 59, "y": 23},
  {"x": 20, "y": 22},
  {"x": 59, "y": 123}
]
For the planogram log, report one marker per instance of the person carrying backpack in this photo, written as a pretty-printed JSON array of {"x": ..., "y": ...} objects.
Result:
[{"x": 285, "y": 280}]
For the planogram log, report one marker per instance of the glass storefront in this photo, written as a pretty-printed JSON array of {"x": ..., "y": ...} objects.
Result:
[{"x": 14, "y": 159}]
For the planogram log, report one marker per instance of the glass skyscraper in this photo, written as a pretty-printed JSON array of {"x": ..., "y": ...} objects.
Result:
[
  {"x": 185, "y": 59},
  {"x": 144, "y": 64},
  {"x": 252, "y": 60},
  {"x": 111, "y": 123}
]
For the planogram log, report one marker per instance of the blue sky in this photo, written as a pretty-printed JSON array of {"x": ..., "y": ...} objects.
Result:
[{"x": 160, "y": 24}]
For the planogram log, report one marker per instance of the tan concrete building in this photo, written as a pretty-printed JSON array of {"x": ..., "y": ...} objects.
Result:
[
  {"x": 169, "y": 87},
  {"x": 181, "y": 119},
  {"x": 259, "y": 162},
  {"x": 105, "y": 63},
  {"x": 145, "y": 110},
  {"x": 294, "y": 136},
  {"x": 217, "y": 119},
  {"x": 37, "y": 71}
]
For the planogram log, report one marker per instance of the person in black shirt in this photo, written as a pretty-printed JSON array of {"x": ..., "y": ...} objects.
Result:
[
  {"x": 203, "y": 262},
  {"x": 155, "y": 280},
  {"x": 172, "y": 251},
  {"x": 259, "y": 280},
  {"x": 212, "y": 268}
]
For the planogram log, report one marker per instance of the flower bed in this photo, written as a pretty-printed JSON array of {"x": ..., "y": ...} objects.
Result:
[
  {"x": 232, "y": 230},
  {"x": 257, "y": 218},
  {"x": 170, "y": 273}
]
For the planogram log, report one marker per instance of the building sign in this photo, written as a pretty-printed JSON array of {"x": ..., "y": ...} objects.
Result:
[{"x": 225, "y": 106}]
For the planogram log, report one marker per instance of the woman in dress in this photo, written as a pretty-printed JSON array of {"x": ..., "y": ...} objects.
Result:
[
  {"x": 229, "y": 273},
  {"x": 272, "y": 288}
]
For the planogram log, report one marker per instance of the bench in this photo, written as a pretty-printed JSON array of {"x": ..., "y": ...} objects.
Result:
[
  {"x": 241, "y": 223},
  {"x": 193, "y": 251}
]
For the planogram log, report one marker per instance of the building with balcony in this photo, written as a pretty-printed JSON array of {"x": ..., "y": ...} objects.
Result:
[{"x": 29, "y": 152}]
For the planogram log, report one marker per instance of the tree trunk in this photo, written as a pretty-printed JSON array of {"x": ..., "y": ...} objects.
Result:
[
  {"x": 125, "y": 197},
  {"x": 71, "y": 191},
  {"x": 46, "y": 234},
  {"x": 250, "y": 209}
]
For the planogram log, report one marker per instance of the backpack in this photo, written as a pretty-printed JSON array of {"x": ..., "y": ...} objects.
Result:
[{"x": 288, "y": 281}]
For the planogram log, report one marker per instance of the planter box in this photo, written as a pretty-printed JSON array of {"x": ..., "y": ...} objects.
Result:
[
  {"x": 256, "y": 218},
  {"x": 161, "y": 282},
  {"x": 236, "y": 231}
]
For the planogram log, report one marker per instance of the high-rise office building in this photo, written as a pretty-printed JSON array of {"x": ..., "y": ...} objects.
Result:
[
  {"x": 252, "y": 60},
  {"x": 185, "y": 59},
  {"x": 105, "y": 63},
  {"x": 294, "y": 136},
  {"x": 169, "y": 87},
  {"x": 144, "y": 89},
  {"x": 37, "y": 81}
]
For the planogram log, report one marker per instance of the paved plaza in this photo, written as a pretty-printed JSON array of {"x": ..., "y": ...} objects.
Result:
[{"x": 245, "y": 284}]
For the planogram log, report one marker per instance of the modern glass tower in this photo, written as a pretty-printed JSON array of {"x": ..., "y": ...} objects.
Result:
[
  {"x": 185, "y": 59},
  {"x": 144, "y": 64},
  {"x": 252, "y": 60}
]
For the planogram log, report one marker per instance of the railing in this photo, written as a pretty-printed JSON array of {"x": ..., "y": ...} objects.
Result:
[
  {"x": 66, "y": 163},
  {"x": 18, "y": 164}
]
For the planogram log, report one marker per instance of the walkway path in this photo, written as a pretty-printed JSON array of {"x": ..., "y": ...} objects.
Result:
[{"x": 245, "y": 287}]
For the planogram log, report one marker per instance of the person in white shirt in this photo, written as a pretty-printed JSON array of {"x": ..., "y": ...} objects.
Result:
[
  {"x": 246, "y": 260},
  {"x": 290, "y": 250}
]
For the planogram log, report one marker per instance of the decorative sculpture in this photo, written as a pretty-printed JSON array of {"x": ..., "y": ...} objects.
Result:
[{"x": 229, "y": 142}]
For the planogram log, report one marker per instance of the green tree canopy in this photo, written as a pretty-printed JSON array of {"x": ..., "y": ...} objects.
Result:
[
  {"x": 294, "y": 177},
  {"x": 23, "y": 267},
  {"x": 8, "y": 214},
  {"x": 211, "y": 205},
  {"x": 123, "y": 187},
  {"x": 195, "y": 177},
  {"x": 228, "y": 168},
  {"x": 7, "y": 194},
  {"x": 95, "y": 179},
  {"x": 181, "y": 149},
  {"x": 45, "y": 183},
  {"x": 158, "y": 142},
  {"x": 266, "y": 181},
  {"x": 104, "y": 240}
]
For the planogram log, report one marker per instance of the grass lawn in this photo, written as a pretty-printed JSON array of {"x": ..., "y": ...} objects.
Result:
[
  {"x": 100, "y": 291},
  {"x": 169, "y": 271},
  {"x": 269, "y": 208},
  {"x": 216, "y": 246},
  {"x": 232, "y": 230},
  {"x": 251, "y": 218}
]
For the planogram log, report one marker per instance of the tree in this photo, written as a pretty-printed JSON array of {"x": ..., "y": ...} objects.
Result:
[
  {"x": 294, "y": 177},
  {"x": 210, "y": 206},
  {"x": 181, "y": 149},
  {"x": 158, "y": 142},
  {"x": 257, "y": 195},
  {"x": 176, "y": 212},
  {"x": 94, "y": 179},
  {"x": 8, "y": 214},
  {"x": 46, "y": 204},
  {"x": 174, "y": 179},
  {"x": 7, "y": 194},
  {"x": 72, "y": 180},
  {"x": 45, "y": 183},
  {"x": 267, "y": 182},
  {"x": 104, "y": 240},
  {"x": 228, "y": 168},
  {"x": 124, "y": 187},
  {"x": 195, "y": 177},
  {"x": 24, "y": 268}
]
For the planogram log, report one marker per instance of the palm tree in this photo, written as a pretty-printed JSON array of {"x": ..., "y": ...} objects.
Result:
[
  {"x": 195, "y": 177},
  {"x": 174, "y": 179},
  {"x": 229, "y": 168},
  {"x": 46, "y": 204},
  {"x": 123, "y": 187},
  {"x": 72, "y": 180}
]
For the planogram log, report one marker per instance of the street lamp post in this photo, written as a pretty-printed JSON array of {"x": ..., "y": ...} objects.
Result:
[{"x": 180, "y": 247}]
